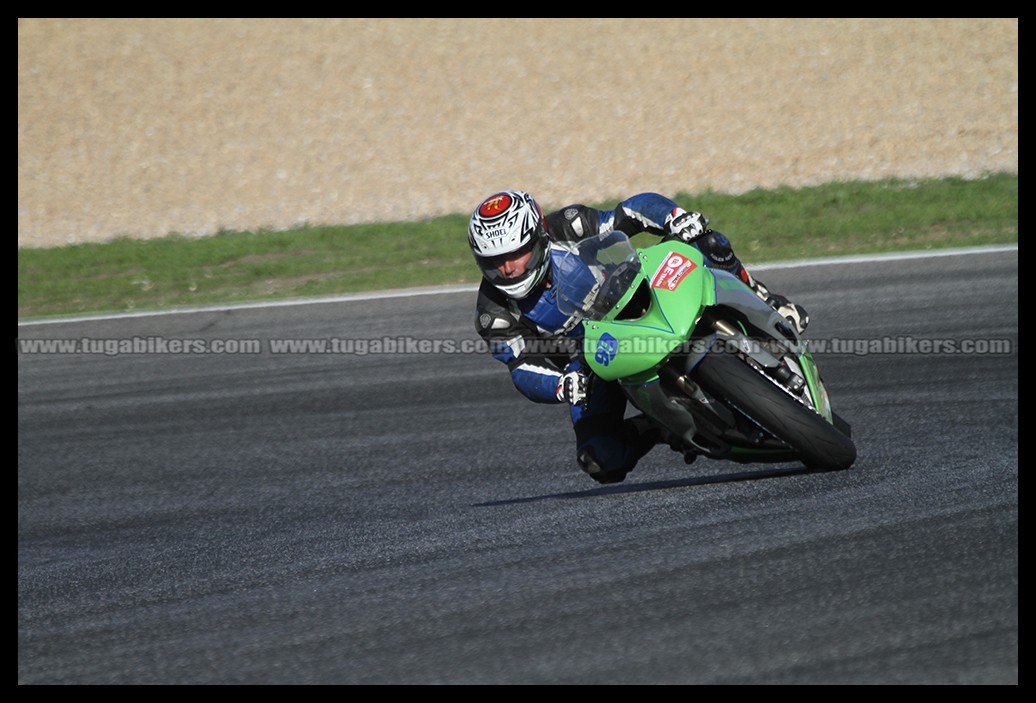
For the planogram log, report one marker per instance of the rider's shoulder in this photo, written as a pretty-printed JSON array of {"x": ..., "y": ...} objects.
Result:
[
  {"x": 492, "y": 312},
  {"x": 572, "y": 223},
  {"x": 490, "y": 297}
]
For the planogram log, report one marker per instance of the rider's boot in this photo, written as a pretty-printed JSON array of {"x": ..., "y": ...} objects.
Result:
[
  {"x": 717, "y": 247},
  {"x": 792, "y": 312},
  {"x": 690, "y": 454},
  {"x": 642, "y": 434},
  {"x": 648, "y": 435}
]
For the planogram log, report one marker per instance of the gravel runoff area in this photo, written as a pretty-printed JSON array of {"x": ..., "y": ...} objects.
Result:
[{"x": 142, "y": 127}]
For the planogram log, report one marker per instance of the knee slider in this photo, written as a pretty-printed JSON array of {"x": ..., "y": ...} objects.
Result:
[{"x": 592, "y": 466}]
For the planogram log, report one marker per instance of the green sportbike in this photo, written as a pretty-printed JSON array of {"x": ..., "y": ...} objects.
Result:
[{"x": 694, "y": 349}]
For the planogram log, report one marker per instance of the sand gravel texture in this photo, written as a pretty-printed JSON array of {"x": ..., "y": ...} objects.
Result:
[{"x": 141, "y": 127}]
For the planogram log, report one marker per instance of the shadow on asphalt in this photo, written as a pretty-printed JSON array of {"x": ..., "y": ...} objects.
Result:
[{"x": 753, "y": 475}]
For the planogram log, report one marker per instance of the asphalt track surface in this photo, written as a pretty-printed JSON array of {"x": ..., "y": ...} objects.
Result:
[{"x": 408, "y": 518}]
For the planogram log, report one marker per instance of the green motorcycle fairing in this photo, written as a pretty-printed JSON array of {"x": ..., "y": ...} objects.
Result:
[
  {"x": 660, "y": 310},
  {"x": 654, "y": 317}
]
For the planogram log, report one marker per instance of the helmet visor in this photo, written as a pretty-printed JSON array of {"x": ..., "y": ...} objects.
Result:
[{"x": 495, "y": 268}]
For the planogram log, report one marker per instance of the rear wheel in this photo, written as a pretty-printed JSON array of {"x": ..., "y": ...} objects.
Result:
[{"x": 820, "y": 444}]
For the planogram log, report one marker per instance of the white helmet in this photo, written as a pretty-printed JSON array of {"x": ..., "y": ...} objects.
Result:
[{"x": 506, "y": 224}]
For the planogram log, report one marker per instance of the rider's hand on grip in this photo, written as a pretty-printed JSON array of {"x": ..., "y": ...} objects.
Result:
[
  {"x": 572, "y": 388},
  {"x": 686, "y": 226}
]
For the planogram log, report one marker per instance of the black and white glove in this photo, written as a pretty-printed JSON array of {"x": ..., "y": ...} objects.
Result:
[
  {"x": 686, "y": 226},
  {"x": 573, "y": 388},
  {"x": 792, "y": 312}
]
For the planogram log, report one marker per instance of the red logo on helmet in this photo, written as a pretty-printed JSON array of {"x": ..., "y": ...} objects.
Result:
[{"x": 494, "y": 205}]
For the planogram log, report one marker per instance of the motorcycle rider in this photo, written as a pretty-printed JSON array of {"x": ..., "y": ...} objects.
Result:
[{"x": 517, "y": 248}]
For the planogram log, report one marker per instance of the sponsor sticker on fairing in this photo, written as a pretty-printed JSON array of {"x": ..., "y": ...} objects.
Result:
[{"x": 672, "y": 271}]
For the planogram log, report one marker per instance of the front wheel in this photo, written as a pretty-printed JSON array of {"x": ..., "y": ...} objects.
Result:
[{"x": 819, "y": 444}]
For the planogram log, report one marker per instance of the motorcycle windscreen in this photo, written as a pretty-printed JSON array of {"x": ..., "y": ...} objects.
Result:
[
  {"x": 595, "y": 275},
  {"x": 680, "y": 286}
]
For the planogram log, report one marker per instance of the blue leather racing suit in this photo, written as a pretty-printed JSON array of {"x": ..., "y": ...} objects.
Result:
[{"x": 539, "y": 344}]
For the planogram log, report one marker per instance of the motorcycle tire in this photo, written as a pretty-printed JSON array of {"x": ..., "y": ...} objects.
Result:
[{"x": 818, "y": 443}]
